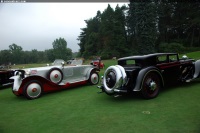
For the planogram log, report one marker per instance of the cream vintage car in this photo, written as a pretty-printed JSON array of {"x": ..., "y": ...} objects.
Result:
[{"x": 33, "y": 82}]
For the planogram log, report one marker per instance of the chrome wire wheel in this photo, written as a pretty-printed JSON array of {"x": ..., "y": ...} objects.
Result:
[
  {"x": 151, "y": 85},
  {"x": 33, "y": 89}
]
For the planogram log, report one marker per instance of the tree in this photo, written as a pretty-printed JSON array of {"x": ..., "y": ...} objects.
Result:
[
  {"x": 144, "y": 21},
  {"x": 164, "y": 11},
  {"x": 90, "y": 38},
  {"x": 49, "y": 55},
  {"x": 120, "y": 33},
  {"x": 5, "y": 57},
  {"x": 105, "y": 34},
  {"x": 17, "y": 53},
  {"x": 60, "y": 49}
]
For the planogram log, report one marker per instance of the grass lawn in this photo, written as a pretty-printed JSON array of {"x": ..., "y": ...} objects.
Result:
[{"x": 83, "y": 110}]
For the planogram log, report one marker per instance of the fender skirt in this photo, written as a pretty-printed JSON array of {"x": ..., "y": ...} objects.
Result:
[{"x": 143, "y": 73}]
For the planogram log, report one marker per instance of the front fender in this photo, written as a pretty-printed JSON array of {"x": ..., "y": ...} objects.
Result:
[
  {"x": 143, "y": 73},
  {"x": 19, "y": 83},
  {"x": 197, "y": 69},
  {"x": 90, "y": 70}
]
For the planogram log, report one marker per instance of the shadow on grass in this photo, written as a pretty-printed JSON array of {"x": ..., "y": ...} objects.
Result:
[
  {"x": 123, "y": 98},
  {"x": 5, "y": 87},
  {"x": 52, "y": 93},
  {"x": 136, "y": 96},
  {"x": 179, "y": 85}
]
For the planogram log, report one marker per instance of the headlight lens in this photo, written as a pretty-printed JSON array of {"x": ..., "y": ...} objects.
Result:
[{"x": 27, "y": 72}]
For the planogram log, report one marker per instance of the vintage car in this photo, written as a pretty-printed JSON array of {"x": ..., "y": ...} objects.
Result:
[
  {"x": 98, "y": 63},
  {"x": 147, "y": 74},
  {"x": 5, "y": 75},
  {"x": 33, "y": 82}
]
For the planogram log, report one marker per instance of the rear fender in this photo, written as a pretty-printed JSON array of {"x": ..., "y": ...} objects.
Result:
[
  {"x": 91, "y": 70},
  {"x": 143, "y": 73},
  {"x": 197, "y": 69}
]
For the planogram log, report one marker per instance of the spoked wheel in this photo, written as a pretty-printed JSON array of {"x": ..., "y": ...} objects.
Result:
[
  {"x": 33, "y": 89},
  {"x": 151, "y": 85},
  {"x": 55, "y": 75},
  {"x": 94, "y": 78}
]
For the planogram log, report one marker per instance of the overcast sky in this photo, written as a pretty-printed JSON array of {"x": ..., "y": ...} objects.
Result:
[{"x": 37, "y": 25}]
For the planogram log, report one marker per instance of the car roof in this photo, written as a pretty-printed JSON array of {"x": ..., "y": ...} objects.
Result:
[{"x": 145, "y": 56}]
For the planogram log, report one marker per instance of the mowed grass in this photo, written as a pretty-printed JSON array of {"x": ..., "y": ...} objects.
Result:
[
  {"x": 82, "y": 109},
  {"x": 194, "y": 55}
]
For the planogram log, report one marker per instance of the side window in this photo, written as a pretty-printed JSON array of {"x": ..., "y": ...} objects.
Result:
[
  {"x": 130, "y": 62},
  {"x": 173, "y": 58},
  {"x": 162, "y": 59}
]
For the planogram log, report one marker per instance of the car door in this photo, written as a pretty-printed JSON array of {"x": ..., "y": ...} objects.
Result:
[
  {"x": 79, "y": 72},
  {"x": 170, "y": 67},
  {"x": 74, "y": 73}
]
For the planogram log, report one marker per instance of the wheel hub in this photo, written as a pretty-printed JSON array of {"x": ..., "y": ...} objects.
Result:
[
  {"x": 110, "y": 79},
  {"x": 34, "y": 89},
  {"x": 152, "y": 85},
  {"x": 56, "y": 76}
]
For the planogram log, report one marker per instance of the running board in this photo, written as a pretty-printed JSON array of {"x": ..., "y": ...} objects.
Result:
[{"x": 7, "y": 84}]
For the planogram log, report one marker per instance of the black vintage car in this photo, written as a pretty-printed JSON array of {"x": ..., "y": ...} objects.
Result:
[
  {"x": 148, "y": 73},
  {"x": 5, "y": 77}
]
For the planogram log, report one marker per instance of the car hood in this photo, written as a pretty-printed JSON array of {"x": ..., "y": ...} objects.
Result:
[
  {"x": 33, "y": 71},
  {"x": 41, "y": 68}
]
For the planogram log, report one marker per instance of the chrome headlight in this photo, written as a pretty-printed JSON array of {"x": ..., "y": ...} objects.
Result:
[{"x": 27, "y": 72}]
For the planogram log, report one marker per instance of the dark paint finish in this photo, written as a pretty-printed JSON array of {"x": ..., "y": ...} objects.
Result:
[{"x": 149, "y": 73}]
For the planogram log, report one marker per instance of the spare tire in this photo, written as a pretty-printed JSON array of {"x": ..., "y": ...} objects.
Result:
[
  {"x": 124, "y": 77},
  {"x": 114, "y": 77}
]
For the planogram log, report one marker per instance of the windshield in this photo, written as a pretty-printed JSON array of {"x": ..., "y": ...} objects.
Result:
[
  {"x": 58, "y": 62},
  {"x": 77, "y": 62}
]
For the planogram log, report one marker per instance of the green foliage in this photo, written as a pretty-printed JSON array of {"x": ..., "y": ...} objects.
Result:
[
  {"x": 105, "y": 34},
  {"x": 191, "y": 49},
  {"x": 60, "y": 50},
  {"x": 5, "y": 57},
  {"x": 16, "y": 55},
  {"x": 140, "y": 28},
  {"x": 172, "y": 47},
  {"x": 146, "y": 27}
]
